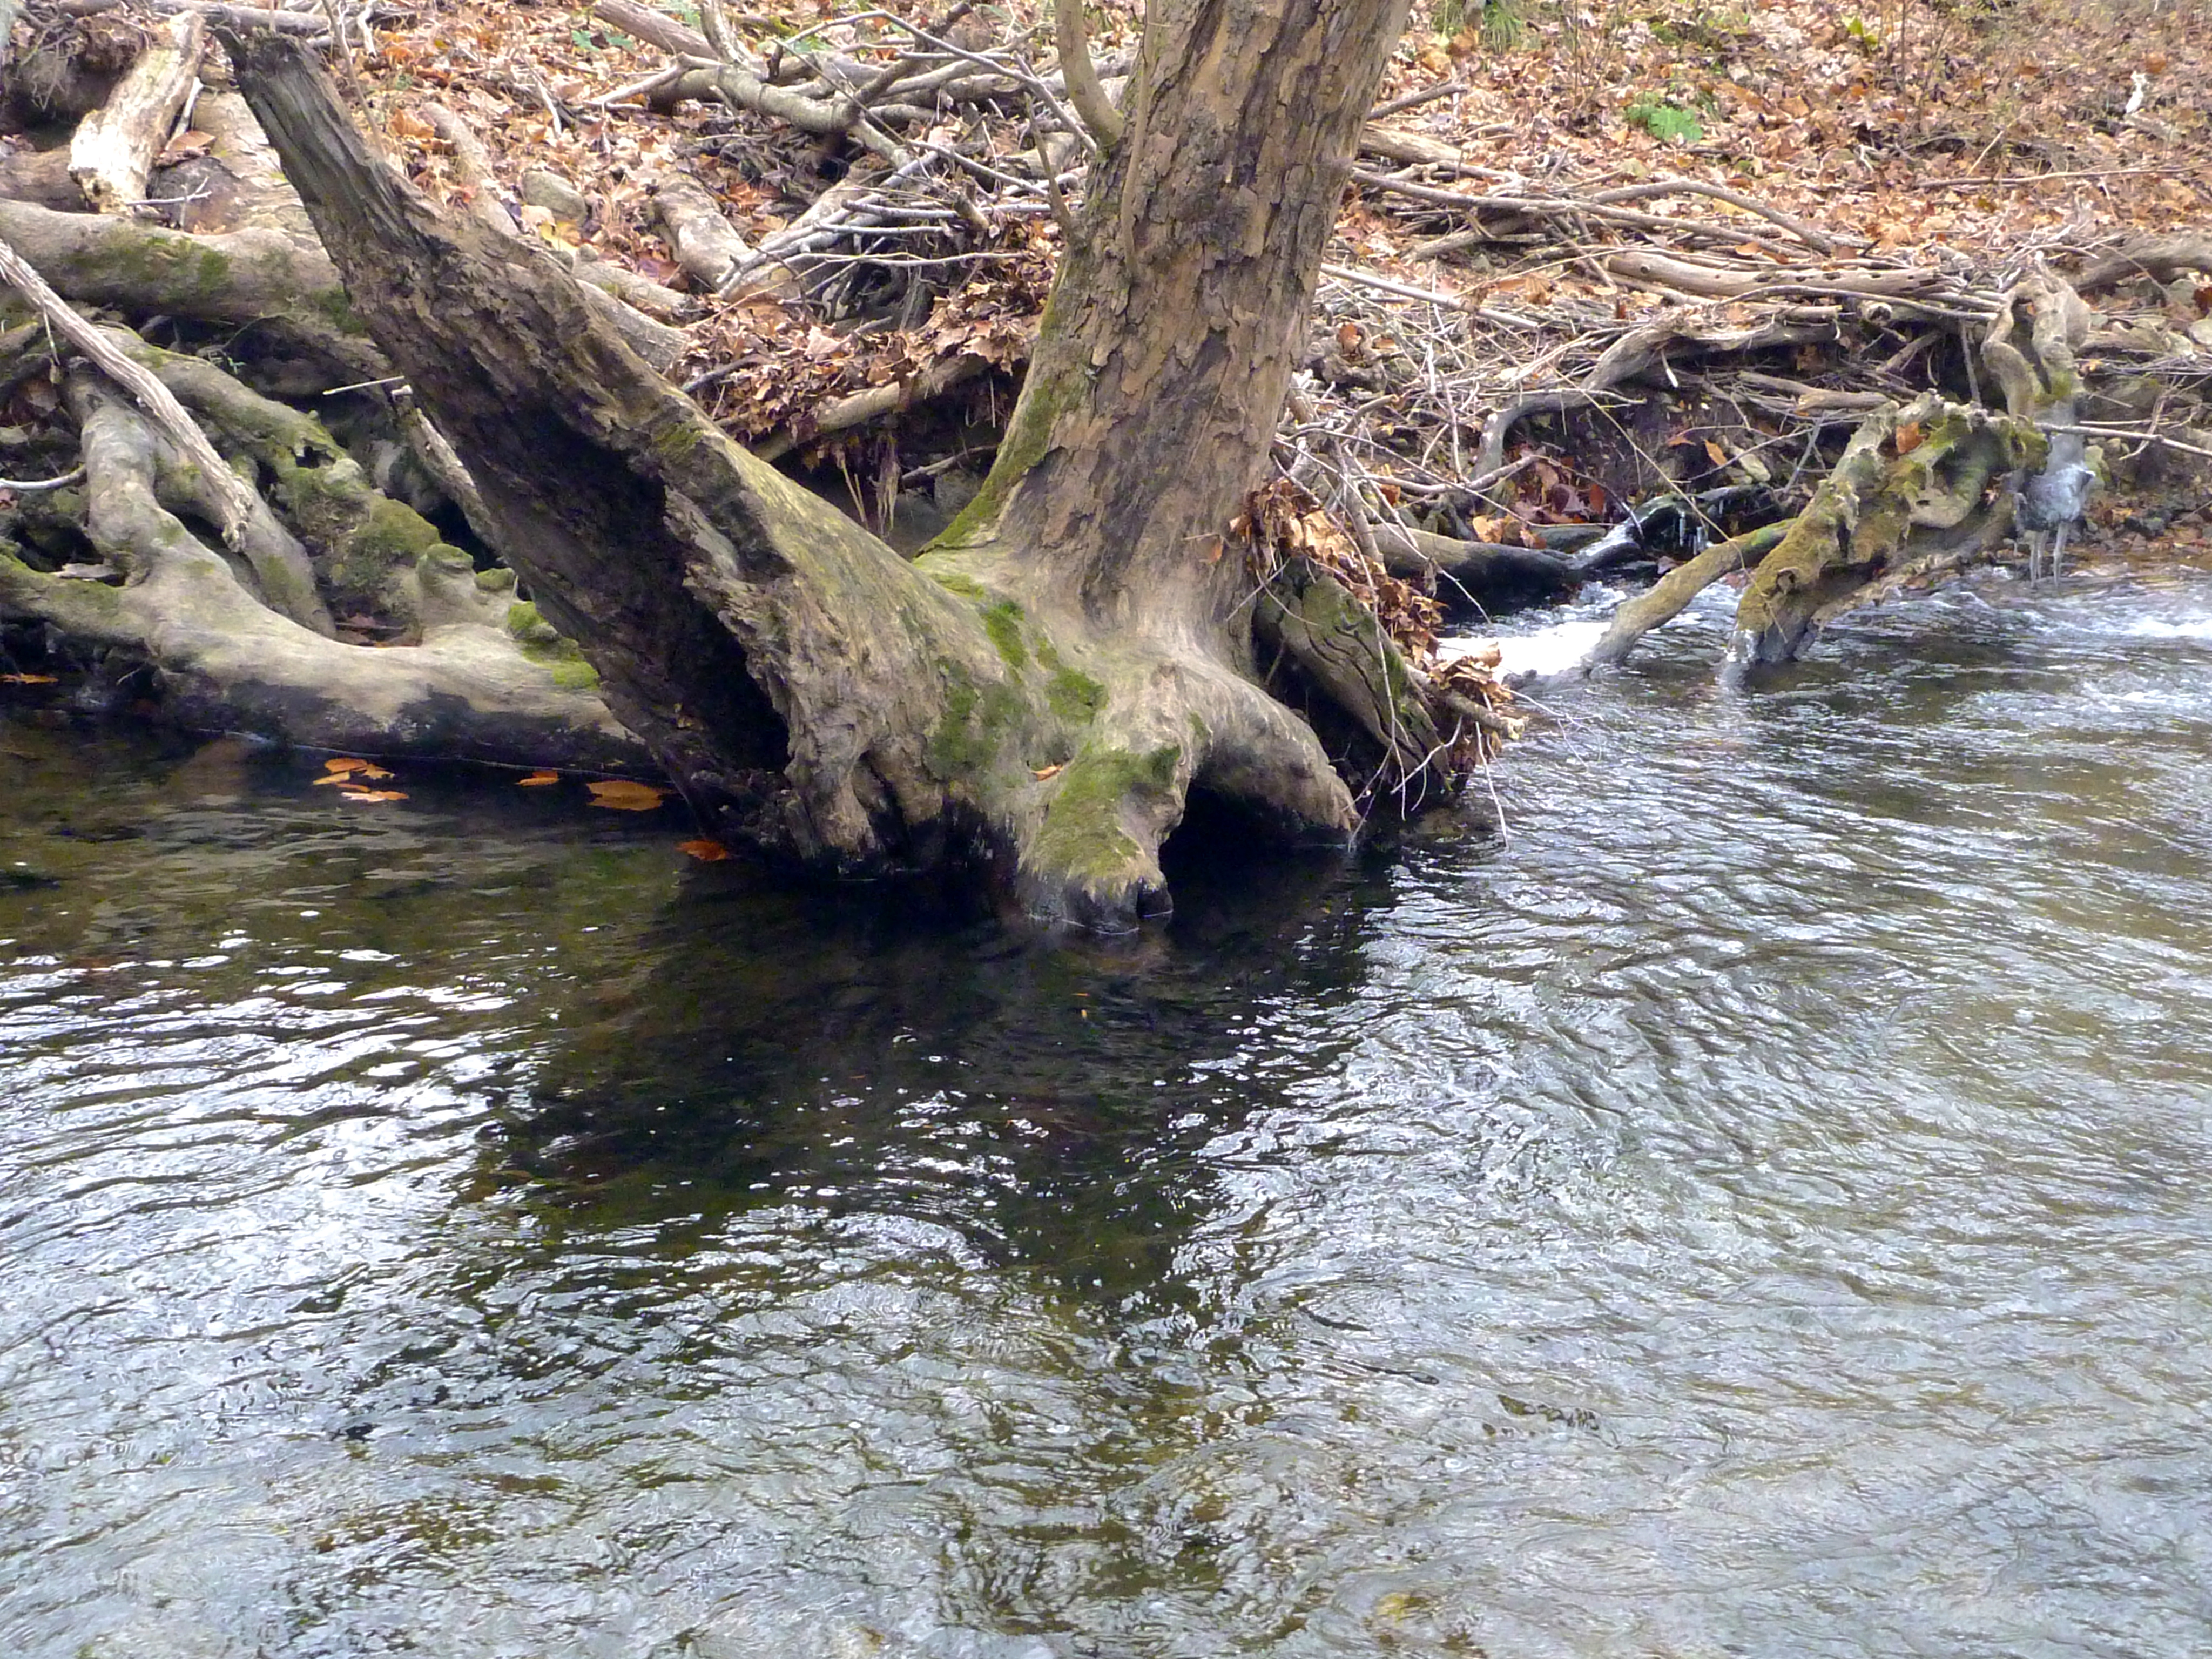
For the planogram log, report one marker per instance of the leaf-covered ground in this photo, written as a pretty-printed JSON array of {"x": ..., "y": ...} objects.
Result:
[{"x": 1521, "y": 163}]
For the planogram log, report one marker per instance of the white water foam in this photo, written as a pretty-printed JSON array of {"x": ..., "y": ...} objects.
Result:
[
  {"x": 1524, "y": 656},
  {"x": 2169, "y": 628}
]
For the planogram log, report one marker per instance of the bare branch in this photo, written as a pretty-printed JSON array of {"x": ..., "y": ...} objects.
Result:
[{"x": 1089, "y": 98}]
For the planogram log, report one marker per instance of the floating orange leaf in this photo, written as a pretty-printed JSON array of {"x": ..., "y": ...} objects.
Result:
[
  {"x": 537, "y": 780},
  {"x": 27, "y": 679},
  {"x": 373, "y": 794},
  {"x": 624, "y": 796},
  {"x": 706, "y": 851},
  {"x": 343, "y": 764}
]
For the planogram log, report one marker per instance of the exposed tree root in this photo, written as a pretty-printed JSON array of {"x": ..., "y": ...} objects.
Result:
[{"x": 226, "y": 661}]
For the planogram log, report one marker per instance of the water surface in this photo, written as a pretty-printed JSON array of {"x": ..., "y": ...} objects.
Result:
[{"x": 1753, "y": 1205}]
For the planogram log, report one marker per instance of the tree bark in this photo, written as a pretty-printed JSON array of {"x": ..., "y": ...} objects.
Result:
[{"x": 1038, "y": 697}]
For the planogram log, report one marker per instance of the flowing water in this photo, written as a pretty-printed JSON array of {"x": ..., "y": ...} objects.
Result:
[{"x": 1755, "y": 1205}]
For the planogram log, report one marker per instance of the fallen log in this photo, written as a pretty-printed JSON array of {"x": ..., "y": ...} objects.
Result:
[
  {"x": 286, "y": 291},
  {"x": 1486, "y": 573},
  {"x": 111, "y": 153}
]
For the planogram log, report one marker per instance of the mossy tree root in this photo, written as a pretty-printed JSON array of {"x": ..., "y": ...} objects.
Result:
[
  {"x": 1913, "y": 482},
  {"x": 226, "y": 661},
  {"x": 364, "y": 549}
]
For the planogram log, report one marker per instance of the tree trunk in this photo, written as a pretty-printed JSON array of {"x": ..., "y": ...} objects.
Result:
[{"x": 1038, "y": 695}]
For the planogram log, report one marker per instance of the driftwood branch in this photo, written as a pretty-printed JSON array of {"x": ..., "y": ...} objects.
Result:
[
  {"x": 1664, "y": 601},
  {"x": 235, "y": 501}
]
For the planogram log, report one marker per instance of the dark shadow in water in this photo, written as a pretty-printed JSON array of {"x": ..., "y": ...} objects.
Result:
[{"x": 1048, "y": 1096}]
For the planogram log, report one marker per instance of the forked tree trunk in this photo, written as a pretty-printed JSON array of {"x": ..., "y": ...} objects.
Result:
[{"x": 1041, "y": 693}]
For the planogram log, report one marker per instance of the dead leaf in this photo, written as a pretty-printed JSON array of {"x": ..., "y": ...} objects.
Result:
[
  {"x": 1719, "y": 456},
  {"x": 343, "y": 764},
  {"x": 621, "y": 795},
  {"x": 371, "y": 794},
  {"x": 706, "y": 851},
  {"x": 1045, "y": 772},
  {"x": 188, "y": 146},
  {"x": 537, "y": 780},
  {"x": 27, "y": 679},
  {"x": 1909, "y": 437}
]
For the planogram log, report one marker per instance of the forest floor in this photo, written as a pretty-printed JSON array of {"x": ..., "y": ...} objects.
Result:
[{"x": 1534, "y": 187}]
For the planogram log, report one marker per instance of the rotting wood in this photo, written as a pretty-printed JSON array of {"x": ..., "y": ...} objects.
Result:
[
  {"x": 706, "y": 244},
  {"x": 113, "y": 148}
]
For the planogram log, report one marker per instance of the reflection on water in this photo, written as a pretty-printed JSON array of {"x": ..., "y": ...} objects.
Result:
[{"x": 1753, "y": 1206}]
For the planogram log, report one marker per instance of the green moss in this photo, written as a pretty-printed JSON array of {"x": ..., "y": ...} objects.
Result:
[
  {"x": 676, "y": 440},
  {"x": 181, "y": 267},
  {"x": 332, "y": 304},
  {"x": 976, "y": 726},
  {"x": 545, "y": 646},
  {"x": 1003, "y": 622},
  {"x": 958, "y": 582},
  {"x": 1075, "y": 697},
  {"x": 389, "y": 536},
  {"x": 1083, "y": 837},
  {"x": 527, "y": 626},
  {"x": 499, "y": 580},
  {"x": 953, "y": 745},
  {"x": 1029, "y": 439}
]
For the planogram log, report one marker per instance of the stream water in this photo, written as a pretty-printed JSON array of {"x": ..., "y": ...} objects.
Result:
[{"x": 1757, "y": 1204}]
